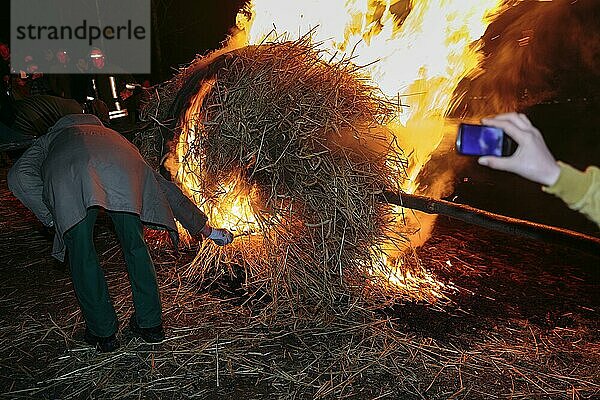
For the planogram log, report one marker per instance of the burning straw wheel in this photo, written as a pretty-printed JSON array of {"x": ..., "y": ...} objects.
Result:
[{"x": 290, "y": 152}]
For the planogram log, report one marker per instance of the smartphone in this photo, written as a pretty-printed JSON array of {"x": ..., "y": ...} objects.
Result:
[{"x": 483, "y": 140}]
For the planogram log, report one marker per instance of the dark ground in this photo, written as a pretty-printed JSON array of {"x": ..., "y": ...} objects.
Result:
[
  {"x": 521, "y": 318},
  {"x": 522, "y": 322}
]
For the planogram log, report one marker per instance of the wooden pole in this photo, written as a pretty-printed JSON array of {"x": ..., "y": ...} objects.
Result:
[{"x": 496, "y": 222}]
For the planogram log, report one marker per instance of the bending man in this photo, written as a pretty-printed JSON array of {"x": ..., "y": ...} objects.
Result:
[{"x": 78, "y": 167}]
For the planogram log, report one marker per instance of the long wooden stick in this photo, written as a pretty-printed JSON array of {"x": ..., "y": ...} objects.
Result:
[{"x": 497, "y": 222}]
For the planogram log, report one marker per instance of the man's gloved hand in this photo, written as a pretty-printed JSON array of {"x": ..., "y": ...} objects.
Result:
[{"x": 220, "y": 236}]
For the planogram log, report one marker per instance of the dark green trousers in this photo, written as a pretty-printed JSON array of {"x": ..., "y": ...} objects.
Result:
[{"x": 89, "y": 281}]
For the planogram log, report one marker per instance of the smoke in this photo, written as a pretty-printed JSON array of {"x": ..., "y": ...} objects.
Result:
[
  {"x": 536, "y": 51},
  {"x": 437, "y": 179}
]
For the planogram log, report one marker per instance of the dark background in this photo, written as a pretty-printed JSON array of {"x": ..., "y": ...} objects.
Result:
[
  {"x": 186, "y": 28},
  {"x": 555, "y": 81}
]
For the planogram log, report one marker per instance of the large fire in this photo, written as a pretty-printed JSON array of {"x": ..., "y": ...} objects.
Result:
[{"x": 415, "y": 51}]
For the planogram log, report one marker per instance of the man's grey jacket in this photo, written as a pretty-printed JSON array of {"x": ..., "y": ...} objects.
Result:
[{"x": 79, "y": 164}]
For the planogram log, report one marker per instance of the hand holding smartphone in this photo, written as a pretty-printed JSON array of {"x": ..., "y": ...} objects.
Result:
[
  {"x": 531, "y": 159},
  {"x": 483, "y": 140}
]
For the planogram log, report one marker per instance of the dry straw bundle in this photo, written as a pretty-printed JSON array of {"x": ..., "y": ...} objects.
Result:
[{"x": 303, "y": 140}]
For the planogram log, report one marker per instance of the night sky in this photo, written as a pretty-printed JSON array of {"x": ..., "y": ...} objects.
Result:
[{"x": 188, "y": 28}]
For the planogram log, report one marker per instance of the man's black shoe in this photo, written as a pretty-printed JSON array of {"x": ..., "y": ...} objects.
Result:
[
  {"x": 148, "y": 335},
  {"x": 102, "y": 344}
]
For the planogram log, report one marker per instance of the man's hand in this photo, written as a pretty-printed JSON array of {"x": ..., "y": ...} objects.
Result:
[
  {"x": 220, "y": 236},
  {"x": 48, "y": 232},
  {"x": 532, "y": 159}
]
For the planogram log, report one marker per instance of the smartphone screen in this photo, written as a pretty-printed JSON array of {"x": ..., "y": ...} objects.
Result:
[{"x": 482, "y": 140}]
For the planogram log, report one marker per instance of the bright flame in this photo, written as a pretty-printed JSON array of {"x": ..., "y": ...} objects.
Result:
[
  {"x": 415, "y": 51},
  {"x": 231, "y": 206},
  {"x": 413, "y": 282},
  {"x": 418, "y": 61}
]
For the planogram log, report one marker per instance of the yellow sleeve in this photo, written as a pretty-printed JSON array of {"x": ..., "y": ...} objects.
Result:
[{"x": 580, "y": 190}]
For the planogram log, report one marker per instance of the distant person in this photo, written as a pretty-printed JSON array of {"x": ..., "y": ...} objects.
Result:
[
  {"x": 4, "y": 52},
  {"x": 5, "y": 80},
  {"x": 82, "y": 66},
  {"x": 48, "y": 57},
  {"x": 63, "y": 61},
  {"x": 4, "y": 60},
  {"x": 65, "y": 177},
  {"x": 111, "y": 87},
  {"x": 99, "y": 66},
  {"x": 98, "y": 60},
  {"x": 532, "y": 160},
  {"x": 20, "y": 81},
  {"x": 64, "y": 79}
]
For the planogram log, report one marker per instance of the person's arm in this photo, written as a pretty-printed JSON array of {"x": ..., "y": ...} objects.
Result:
[
  {"x": 190, "y": 216},
  {"x": 25, "y": 180},
  {"x": 186, "y": 212},
  {"x": 532, "y": 160},
  {"x": 579, "y": 190}
]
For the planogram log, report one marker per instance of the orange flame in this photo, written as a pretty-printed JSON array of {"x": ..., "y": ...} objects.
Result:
[
  {"x": 231, "y": 207},
  {"x": 419, "y": 60},
  {"x": 416, "y": 51}
]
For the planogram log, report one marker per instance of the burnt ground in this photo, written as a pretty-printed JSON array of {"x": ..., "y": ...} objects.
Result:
[{"x": 521, "y": 322}]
